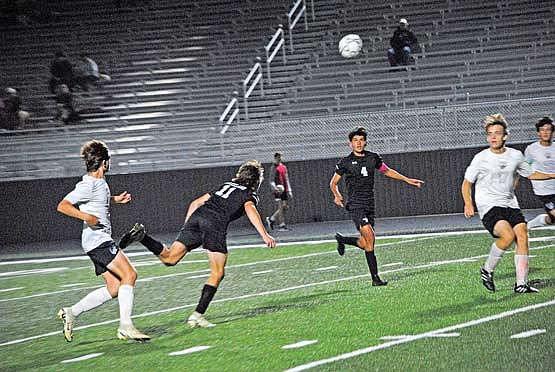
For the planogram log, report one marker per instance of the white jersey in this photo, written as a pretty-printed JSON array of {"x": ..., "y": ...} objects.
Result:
[
  {"x": 495, "y": 176},
  {"x": 92, "y": 196},
  {"x": 542, "y": 159}
]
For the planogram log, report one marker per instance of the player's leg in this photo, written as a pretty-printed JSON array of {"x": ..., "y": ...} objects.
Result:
[
  {"x": 122, "y": 269},
  {"x": 283, "y": 206},
  {"x": 367, "y": 241},
  {"x": 276, "y": 217},
  {"x": 547, "y": 218},
  {"x": 217, "y": 261},
  {"x": 505, "y": 237},
  {"x": 522, "y": 260}
]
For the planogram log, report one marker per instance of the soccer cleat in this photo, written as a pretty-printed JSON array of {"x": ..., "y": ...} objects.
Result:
[
  {"x": 283, "y": 228},
  {"x": 377, "y": 282},
  {"x": 67, "y": 318},
  {"x": 525, "y": 288},
  {"x": 340, "y": 244},
  {"x": 137, "y": 233},
  {"x": 487, "y": 279},
  {"x": 269, "y": 223},
  {"x": 197, "y": 320},
  {"x": 131, "y": 333}
]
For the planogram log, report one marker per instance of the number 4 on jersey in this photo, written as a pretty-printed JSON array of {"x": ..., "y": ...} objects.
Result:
[{"x": 364, "y": 172}]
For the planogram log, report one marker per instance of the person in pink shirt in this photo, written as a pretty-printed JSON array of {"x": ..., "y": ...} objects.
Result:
[{"x": 281, "y": 189}]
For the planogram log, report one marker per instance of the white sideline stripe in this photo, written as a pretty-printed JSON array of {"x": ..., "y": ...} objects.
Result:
[
  {"x": 72, "y": 285},
  {"x": 198, "y": 276},
  {"x": 32, "y": 271},
  {"x": 287, "y": 289},
  {"x": 189, "y": 350},
  {"x": 392, "y": 264},
  {"x": 387, "y": 338},
  {"x": 11, "y": 289},
  {"x": 420, "y": 336},
  {"x": 325, "y": 268},
  {"x": 529, "y": 333},
  {"x": 59, "y": 259},
  {"x": 541, "y": 239},
  {"x": 453, "y": 334},
  {"x": 262, "y": 272},
  {"x": 84, "y": 357},
  {"x": 299, "y": 344}
]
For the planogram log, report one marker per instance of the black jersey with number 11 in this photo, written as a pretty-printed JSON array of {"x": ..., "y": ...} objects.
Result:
[
  {"x": 358, "y": 172},
  {"x": 227, "y": 202}
]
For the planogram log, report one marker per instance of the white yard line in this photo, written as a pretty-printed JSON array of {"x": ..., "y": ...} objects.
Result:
[
  {"x": 420, "y": 336},
  {"x": 529, "y": 333},
  {"x": 11, "y": 289},
  {"x": 392, "y": 264},
  {"x": 299, "y": 344},
  {"x": 262, "y": 272},
  {"x": 326, "y": 268},
  {"x": 190, "y": 350},
  {"x": 84, "y": 357}
]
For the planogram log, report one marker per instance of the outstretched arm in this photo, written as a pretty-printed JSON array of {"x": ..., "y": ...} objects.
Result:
[
  {"x": 256, "y": 221},
  {"x": 392, "y": 173},
  {"x": 466, "y": 191},
  {"x": 122, "y": 198},
  {"x": 69, "y": 209},
  {"x": 195, "y": 204},
  {"x": 338, "y": 198}
]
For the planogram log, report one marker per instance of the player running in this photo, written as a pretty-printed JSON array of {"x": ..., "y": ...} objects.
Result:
[
  {"x": 494, "y": 171},
  {"x": 90, "y": 202},
  {"x": 206, "y": 224},
  {"x": 358, "y": 169}
]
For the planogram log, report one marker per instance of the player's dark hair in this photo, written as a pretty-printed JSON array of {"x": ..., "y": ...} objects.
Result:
[
  {"x": 94, "y": 153},
  {"x": 250, "y": 174},
  {"x": 359, "y": 131},
  {"x": 543, "y": 121},
  {"x": 277, "y": 155}
]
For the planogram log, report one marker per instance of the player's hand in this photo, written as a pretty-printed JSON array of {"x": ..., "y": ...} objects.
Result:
[
  {"x": 270, "y": 242},
  {"x": 415, "y": 182},
  {"x": 122, "y": 198},
  {"x": 91, "y": 220},
  {"x": 338, "y": 200},
  {"x": 468, "y": 211},
  {"x": 290, "y": 194}
]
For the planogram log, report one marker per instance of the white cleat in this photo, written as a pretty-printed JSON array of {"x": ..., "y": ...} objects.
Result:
[
  {"x": 197, "y": 320},
  {"x": 67, "y": 318},
  {"x": 132, "y": 333}
]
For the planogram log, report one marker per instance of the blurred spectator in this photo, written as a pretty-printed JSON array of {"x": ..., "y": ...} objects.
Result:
[
  {"x": 403, "y": 42},
  {"x": 65, "y": 111},
  {"x": 61, "y": 72},
  {"x": 12, "y": 116},
  {"x": 88, "y": 73}
]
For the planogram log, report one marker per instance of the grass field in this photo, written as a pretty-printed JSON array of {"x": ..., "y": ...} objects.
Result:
[{"x": 433, "y": 315}]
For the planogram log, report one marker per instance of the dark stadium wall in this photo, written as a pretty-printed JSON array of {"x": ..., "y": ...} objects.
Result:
[{"x": 160, "y": 199}]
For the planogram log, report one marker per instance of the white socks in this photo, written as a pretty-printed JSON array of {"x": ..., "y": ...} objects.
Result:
[
  {"x": 538, "y": 221},
  {"x": 521, "y": 266},
  {"x": 494, "y": 257},
  {"x": 125, "y": 298},
  {"x": 92, "y": 300}
]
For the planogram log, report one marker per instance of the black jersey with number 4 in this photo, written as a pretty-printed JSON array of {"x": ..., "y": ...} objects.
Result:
[
  {"x": 227, "y": 202},
  {"x": 358, "y": 172}
]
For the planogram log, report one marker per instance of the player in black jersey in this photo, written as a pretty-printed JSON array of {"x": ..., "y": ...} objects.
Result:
[
  {"x": 358, "y": 170},
  {"x": 206, "y": 224}
]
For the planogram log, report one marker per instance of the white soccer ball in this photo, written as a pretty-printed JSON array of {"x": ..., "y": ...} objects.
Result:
[
  {"x": 350, "y": 45},
  {"x": 280, "y": 188}
]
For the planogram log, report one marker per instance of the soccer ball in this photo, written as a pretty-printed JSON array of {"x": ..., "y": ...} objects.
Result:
[
  {"x": 280, "y": 188},
  {"x": 350, "y": 45}
]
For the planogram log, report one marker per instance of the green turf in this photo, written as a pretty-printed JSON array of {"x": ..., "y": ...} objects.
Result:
[{"x": 258, "y": 314}]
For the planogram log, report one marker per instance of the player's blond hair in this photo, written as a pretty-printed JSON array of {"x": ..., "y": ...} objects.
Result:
[{"x": 496, "y": 119}]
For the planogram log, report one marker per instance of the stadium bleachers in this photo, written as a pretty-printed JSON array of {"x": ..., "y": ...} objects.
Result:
[{"x": 174, "y": 67}]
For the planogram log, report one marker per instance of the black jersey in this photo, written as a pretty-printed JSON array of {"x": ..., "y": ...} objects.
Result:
[
  {"x": 358, "y": 172},
  {"x": 227, "y": 202}
]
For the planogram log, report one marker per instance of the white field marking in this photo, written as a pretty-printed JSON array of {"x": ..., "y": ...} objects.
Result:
[
  {"x": 189, "y": 350},
  {"x": 541, "y": 239},
  {"x": 392, "y": 264},
  {"x": 11, "y": 289},
  {"x": 149, "y": 279},
  {"x": 32, "y": 271},
  {"x": 452, "y": 334},
  {"x": 529, "y": 333},
  {"x": 262, "y": 272},
  {"x": 59, "y": 259},
  {"x": 325, "y": 268},
  {"x": 72, "y": 285},
  {"x": 400, "y": 337},
  {"x": 84, "y": 357},
  {"x": 388, "y": 338},
  {"x": 198, "y": 276},
  {"x": 420, "y": 336},
  {"x": 148, "y": 263},
  {"x": 299, "y": 344},
  {"x": 242, "y": 297}
]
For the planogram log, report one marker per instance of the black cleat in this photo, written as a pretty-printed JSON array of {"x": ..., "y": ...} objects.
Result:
[
  {"x": 136, "y": 234},
  {"x": 525, "y": 288},
  {"x": 377, "y": 282},
  {"x": 340, "y": 244},
  {"x": 487, "y": 279}
]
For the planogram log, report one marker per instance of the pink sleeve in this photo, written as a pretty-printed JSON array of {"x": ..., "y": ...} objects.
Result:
[{"x": 383, "y": 168}]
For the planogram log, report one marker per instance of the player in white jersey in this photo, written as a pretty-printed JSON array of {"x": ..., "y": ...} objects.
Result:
[
  {"x": 90, "y": 202},
  {"x": 541, "y": 156},
  {"x": 495, "y": 171}
]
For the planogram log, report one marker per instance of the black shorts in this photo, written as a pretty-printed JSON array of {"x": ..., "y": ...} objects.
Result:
[
  {"x": 102, "y": 255},
  {"x": 203, "y": 230},
  {"x": 548, "y": 202},
  {"x": 361, "y": 216},
  {"x": 511, "y": 215},
  {"x": 281, "y": 195}
]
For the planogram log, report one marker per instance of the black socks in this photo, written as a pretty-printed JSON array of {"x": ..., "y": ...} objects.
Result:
[
  {"x": 152, "y": 245},
  {"x": 372, "y": 263},
  {"x": 206, "y": 297}
]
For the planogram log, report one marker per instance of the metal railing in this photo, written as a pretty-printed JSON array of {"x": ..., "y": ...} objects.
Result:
[
  {"x": 271, "y": 53},
  {"x": 296, "y": 12},
  {"x": 253, "y": 78}
]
